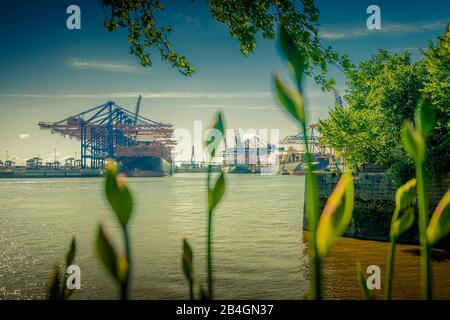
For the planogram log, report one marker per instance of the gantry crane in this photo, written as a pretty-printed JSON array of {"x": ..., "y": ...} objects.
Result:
[{"x": 110, "y": 131}]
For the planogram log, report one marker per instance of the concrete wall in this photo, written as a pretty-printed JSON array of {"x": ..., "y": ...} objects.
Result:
[{"x": 375, "y": 203}]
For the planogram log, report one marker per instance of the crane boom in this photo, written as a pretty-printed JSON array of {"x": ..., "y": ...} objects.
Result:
[{"x": 136, "y": 111}]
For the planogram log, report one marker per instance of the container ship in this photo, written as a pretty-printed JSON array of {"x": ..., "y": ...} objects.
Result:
[
  {"x": 293, "y": 162},
  {"x": 145, "y": 160},
  {"x": 141, "y": 147}
]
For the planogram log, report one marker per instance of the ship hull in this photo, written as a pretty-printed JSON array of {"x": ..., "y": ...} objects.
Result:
[
  {"x": 151, "y": 166},
  {"x": 298, "y": 168},
  {"x": 239, "y": 169},
  {"x": 293, "y": 168}
]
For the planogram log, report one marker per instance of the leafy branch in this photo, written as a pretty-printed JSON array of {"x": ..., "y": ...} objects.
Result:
[{"x": 245, "y": 19}]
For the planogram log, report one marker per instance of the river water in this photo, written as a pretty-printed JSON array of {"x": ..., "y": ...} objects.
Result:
[{"x": 259, "y": 247}]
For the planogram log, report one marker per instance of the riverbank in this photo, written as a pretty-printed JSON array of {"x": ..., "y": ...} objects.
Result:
[
  {"x": 24, "y": 173},
  {"x": 374, "y": 204},
  {"x": 340, "y": 269}
]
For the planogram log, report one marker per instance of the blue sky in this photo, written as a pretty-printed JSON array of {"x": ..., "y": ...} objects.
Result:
[{"x": 48, "y": 72}]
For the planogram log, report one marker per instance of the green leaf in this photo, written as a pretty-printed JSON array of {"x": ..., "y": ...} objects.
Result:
[
  {"x": 413, "y": 142},
  {"x": 362, "y": 280},
  {"x": 312, "y": 200},
  {"x": 424, "y": 117},
  {"x": 402, "y": 223},
  {"x": 187, "y": 260},
  {"x": 292, "y": 53},
  {"x": 109, "y": 257},
  {"x": 71, "y": 253},
  {"x": 118, "y": 195},
  {"x": 215, "y": 194},
  {"x": 403, "y": 217},
  {"x": 54, "y": 289},
  {"x": 439, "y": 226},
  {"x": 291, "y": 100},
  {"x": 217, "y": 124},
  {"x": 404, "y": 196},
  {"x": 336, "y": 215}
]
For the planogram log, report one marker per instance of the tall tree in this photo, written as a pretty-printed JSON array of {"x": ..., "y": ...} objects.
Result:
[
  {"x": 382, "y": 93},
  {"x": 244, "y": 19},
  {"x": 437, "y": 88}
]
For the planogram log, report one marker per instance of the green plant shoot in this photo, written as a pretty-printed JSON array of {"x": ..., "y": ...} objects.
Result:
[
  {"x": 215, "y": 193},
  {"x": 439, "y": 226},
  {"x": 339, "y": 210},
  {"x": 121, "y": 201},
  {"x": 292, "y": 101},
  {"x": 402, "y": 220},
  {"x": 188, "y": 267},
  {"x": 57, "y": 289},
  {"x": 362, "y": 281},
  {"x": 414, "y": 140},
  {"x": 336, "y": 215}
]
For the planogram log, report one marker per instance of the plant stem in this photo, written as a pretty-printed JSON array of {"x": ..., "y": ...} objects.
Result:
[
  {"x": 126, "y": 282},
  {"x": 191, "y": 290},
  {"x": 210, "y": 284},
  {"x": 425, "y": 261},
  {"x": 312, "y": 222},
  {"x": 313, "y": 216},
  {"x": 317, "y": 277},
  {"x": 390, "y": 270}
]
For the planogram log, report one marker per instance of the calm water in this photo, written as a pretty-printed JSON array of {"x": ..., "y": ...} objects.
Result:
[{"x": 258, "y": 244}]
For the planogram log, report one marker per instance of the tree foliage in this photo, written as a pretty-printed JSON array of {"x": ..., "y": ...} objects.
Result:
[
  {"x": 382, "y": 93},
  {"x": 364, "y": 139},
  {"x": 437, "y": 88},
  {"x": 388, "y": 83},
  {"x": 144, "y": 31},
  {"x": 245, "y": 19}
]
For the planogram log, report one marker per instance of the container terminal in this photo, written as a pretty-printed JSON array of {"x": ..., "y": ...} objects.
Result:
[{"x": 143, "y": 148}]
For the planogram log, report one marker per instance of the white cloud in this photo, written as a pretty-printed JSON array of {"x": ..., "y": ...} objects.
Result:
[
  {"x": 153, "y": 95},
  {"x": 231, "y": 106},
  {"x": 194, "y": 94},
  {"x": 311, "y": 93},
  {"x": 189, "y": 20},
  {"x": 24, "y": 136},
  {"x": 346, "y": 31},
  {"x": 109, "y": 66}
]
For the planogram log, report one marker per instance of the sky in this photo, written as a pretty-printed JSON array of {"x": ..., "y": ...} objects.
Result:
[{"x": 48, "y": 72}]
